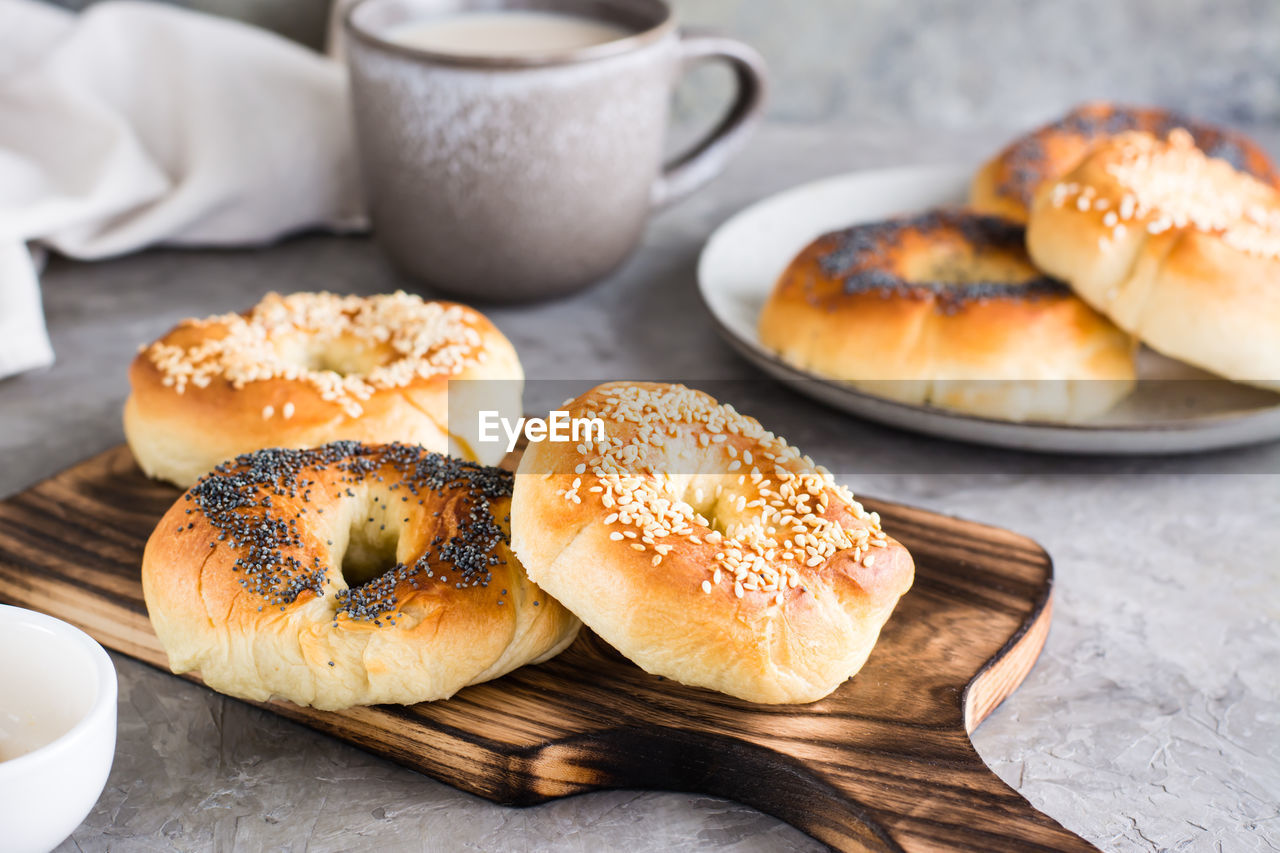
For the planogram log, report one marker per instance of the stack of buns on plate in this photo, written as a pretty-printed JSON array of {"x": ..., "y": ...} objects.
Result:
[{"x": 1107, "y": 228}]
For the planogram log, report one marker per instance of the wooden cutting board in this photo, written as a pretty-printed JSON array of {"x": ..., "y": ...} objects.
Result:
[{"x": 883, "y": 764}]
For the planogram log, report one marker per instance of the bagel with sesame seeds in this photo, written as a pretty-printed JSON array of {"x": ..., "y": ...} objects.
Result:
[
  {"x": 945, "y": 309},
  {"x": 704, "y": 548},
  {"x": 1006, "y": 185},
  {"x": 347, "y": 574},
  {"x": 308, "y": 368},
  {"x": 1178, "y": 248}
]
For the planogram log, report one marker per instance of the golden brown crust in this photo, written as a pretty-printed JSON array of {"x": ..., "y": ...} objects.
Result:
[
  {"x": 1006, "y": 184},
  {"x": 244, "y": 579},
  {"x": 689, "y": 585},
  {"x": 1179, "y": 249},
  {"x": 193, "y": 406},
  {"x": 946, "y": 309}
]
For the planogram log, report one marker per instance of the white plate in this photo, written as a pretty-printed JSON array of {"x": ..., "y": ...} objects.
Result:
[{"x": 746, "y": 255}]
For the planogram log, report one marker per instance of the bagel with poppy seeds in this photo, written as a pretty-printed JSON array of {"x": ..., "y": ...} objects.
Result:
[
  {"x": 946, "y": 309},
  {"x": 309, "y": 368},
  {"x": 1178, "y": 248},
  {"x": 1006, "y": 185},
  {"x": 347, "y": 574},
  {"x": 704, "y": 548}
]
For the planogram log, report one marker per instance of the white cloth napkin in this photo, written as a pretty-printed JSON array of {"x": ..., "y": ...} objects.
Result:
[{"x": 133, "y": 124}]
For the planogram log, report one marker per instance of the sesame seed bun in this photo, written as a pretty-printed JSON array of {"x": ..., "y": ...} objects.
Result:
[
  {"x": 1006, "y": 185},
  {"x": 1180, "y": 249},
  {"x": 650, "y": 538},
  {"x": 305, "y": 369},
  {"x": 244, "y": 578},
  {"x": 946, "y": 309}
]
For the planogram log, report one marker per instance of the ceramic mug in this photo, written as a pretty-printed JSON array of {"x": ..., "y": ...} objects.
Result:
[{"x": 522, "y": 177}]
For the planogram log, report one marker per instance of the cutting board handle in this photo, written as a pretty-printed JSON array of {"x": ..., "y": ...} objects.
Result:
[
  {"x": 873, "y": 782},
  {"x": 949, "y": 801},
  {"x": 941, "y": 800}
]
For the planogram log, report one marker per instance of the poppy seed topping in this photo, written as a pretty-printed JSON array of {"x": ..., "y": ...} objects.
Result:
[{"x": 258, "y": 506}]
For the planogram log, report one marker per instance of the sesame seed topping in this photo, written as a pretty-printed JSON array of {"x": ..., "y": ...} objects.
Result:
[
  {"x": 390, "y": 341},
  {"x": 1165, "y": 184},
  {"x": 753, "y": 533}
]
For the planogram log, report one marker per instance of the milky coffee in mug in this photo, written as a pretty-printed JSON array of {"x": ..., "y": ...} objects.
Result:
[
  {"x": 513, "y": 149},
  {"x": 508, "y": 33}
]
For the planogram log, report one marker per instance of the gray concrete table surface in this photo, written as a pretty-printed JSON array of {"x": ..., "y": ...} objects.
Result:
[{"x": 1152, "y": 720}]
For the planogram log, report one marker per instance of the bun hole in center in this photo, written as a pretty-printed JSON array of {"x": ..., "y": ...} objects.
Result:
[
  {"x": 370, "y": 552},
  {"x": 345, "y": 355},
  {"x": 948, "y": 264},
  {"x": 711, "y": 496}
]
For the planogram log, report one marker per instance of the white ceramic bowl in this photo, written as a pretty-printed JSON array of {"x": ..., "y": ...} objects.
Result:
[{"x": 57, "y": 728}]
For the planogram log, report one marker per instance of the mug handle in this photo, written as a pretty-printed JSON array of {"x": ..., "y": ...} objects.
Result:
[{"x": 699, "y": 165}]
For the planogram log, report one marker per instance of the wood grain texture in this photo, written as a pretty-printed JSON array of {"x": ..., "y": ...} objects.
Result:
[{"x": 883, "y": 764}]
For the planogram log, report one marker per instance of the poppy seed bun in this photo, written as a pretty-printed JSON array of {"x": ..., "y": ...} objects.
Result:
[
  {"x": 345, "y": 575},
  {"x": 1006, "y": 185},
  {"x": 946, "y": 309}
]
